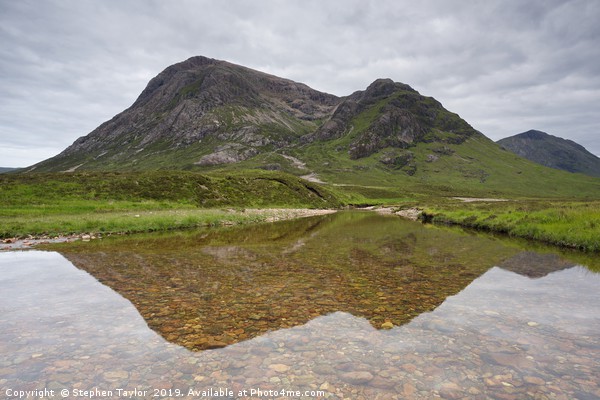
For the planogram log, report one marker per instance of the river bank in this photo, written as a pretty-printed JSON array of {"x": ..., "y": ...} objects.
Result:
[
  {"x": 566, "y": 224},
  {"x": 156, "y": 220}
]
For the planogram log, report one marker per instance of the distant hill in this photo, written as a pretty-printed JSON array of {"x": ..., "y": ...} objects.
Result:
[
  {"x": 553, "y": 152},
  {"x": 4, "y": 169},
  {"x": 210, "y": 115}
]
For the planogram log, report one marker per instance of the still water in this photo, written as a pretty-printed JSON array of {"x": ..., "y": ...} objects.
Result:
[{"x": 351, "y": 306}]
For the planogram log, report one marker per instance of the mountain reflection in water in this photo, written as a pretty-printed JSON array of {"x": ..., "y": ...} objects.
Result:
[
  {"x": 219, "y": 287},
  {"x": 504, "y": 336}
]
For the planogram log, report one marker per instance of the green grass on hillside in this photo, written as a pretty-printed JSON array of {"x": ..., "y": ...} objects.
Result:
[
  {"x": 477, "y": 167},
  {"x": 241, "y": 188},
  {"x": 38, "y": 204}
]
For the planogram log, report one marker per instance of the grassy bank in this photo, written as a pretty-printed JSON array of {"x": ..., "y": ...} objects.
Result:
[
  {"x": 66, "y": 204},
  {"x": 563, "y": 223},
  {"x": 124, "y": 222},
  {"x": 113, "y": 202}
]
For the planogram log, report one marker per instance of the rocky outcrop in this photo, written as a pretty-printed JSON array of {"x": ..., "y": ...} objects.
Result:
[
  {"x": 228, "y": 154},
  {"x": 394, "y": 127}
]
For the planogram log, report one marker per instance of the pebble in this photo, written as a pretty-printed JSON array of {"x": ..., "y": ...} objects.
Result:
[
  {"x": 409, "y": 367},
  {"x": 451, "y": 391},
  {"x": 534, "y": 380},
  {"x": 357, "y": 377},
  {"x": 408, "y": 389},
  {"x": 116, "y": 375},
  {"x": 281, "y": 368},
  {"x": 382, "y": 383}
]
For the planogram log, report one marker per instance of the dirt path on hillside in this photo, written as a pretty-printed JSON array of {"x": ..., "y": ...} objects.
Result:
[
  {"x": 473, "y": 199},
  {"x": 297, "y": 163}
]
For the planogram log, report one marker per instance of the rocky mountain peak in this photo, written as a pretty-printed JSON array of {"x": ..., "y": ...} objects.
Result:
[
  {"x": 393, "y": 115},
  {"x": 534, "y": 135},
  {"x": 381, "y": 88},
  {"x": 163, "y": 79}
]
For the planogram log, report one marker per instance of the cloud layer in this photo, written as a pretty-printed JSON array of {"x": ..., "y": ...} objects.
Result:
[{"x": 66, "y": 66}]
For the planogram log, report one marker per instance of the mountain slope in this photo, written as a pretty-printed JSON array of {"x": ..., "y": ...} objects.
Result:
[
  {"x": 553, "y": 152},
  {"x": 209, "y": 115}
]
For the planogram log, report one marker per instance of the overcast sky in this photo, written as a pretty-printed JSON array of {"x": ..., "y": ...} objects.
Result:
[{"x": 505, "y": 66}]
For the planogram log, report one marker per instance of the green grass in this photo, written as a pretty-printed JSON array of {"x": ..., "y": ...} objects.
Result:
[
  {"x": 53, "y": 204},
  {"x": 562, "y": 223},
  {"x": 68, "y": 223},
  {"x": 477, "y": 167},
  {"x": 111, "y": 202},
  {"x": 238, "y": 188},
  {"x": 64, "y": 204}
]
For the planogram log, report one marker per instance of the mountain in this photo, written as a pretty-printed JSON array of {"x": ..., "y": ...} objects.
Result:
[
  {"x": 204, "y": 112},
  {"x": 199, "y": 112},
  {"x": 4, "y": 169},
  {"x": 553, "y": 152},
  {"x": 210, "y": 115}
]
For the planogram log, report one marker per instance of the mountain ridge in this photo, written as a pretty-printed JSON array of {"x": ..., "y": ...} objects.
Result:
[{"x": 552, "y": 151}]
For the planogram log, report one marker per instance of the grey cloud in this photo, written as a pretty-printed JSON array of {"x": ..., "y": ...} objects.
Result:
[{"x": 505, "y": 66}]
